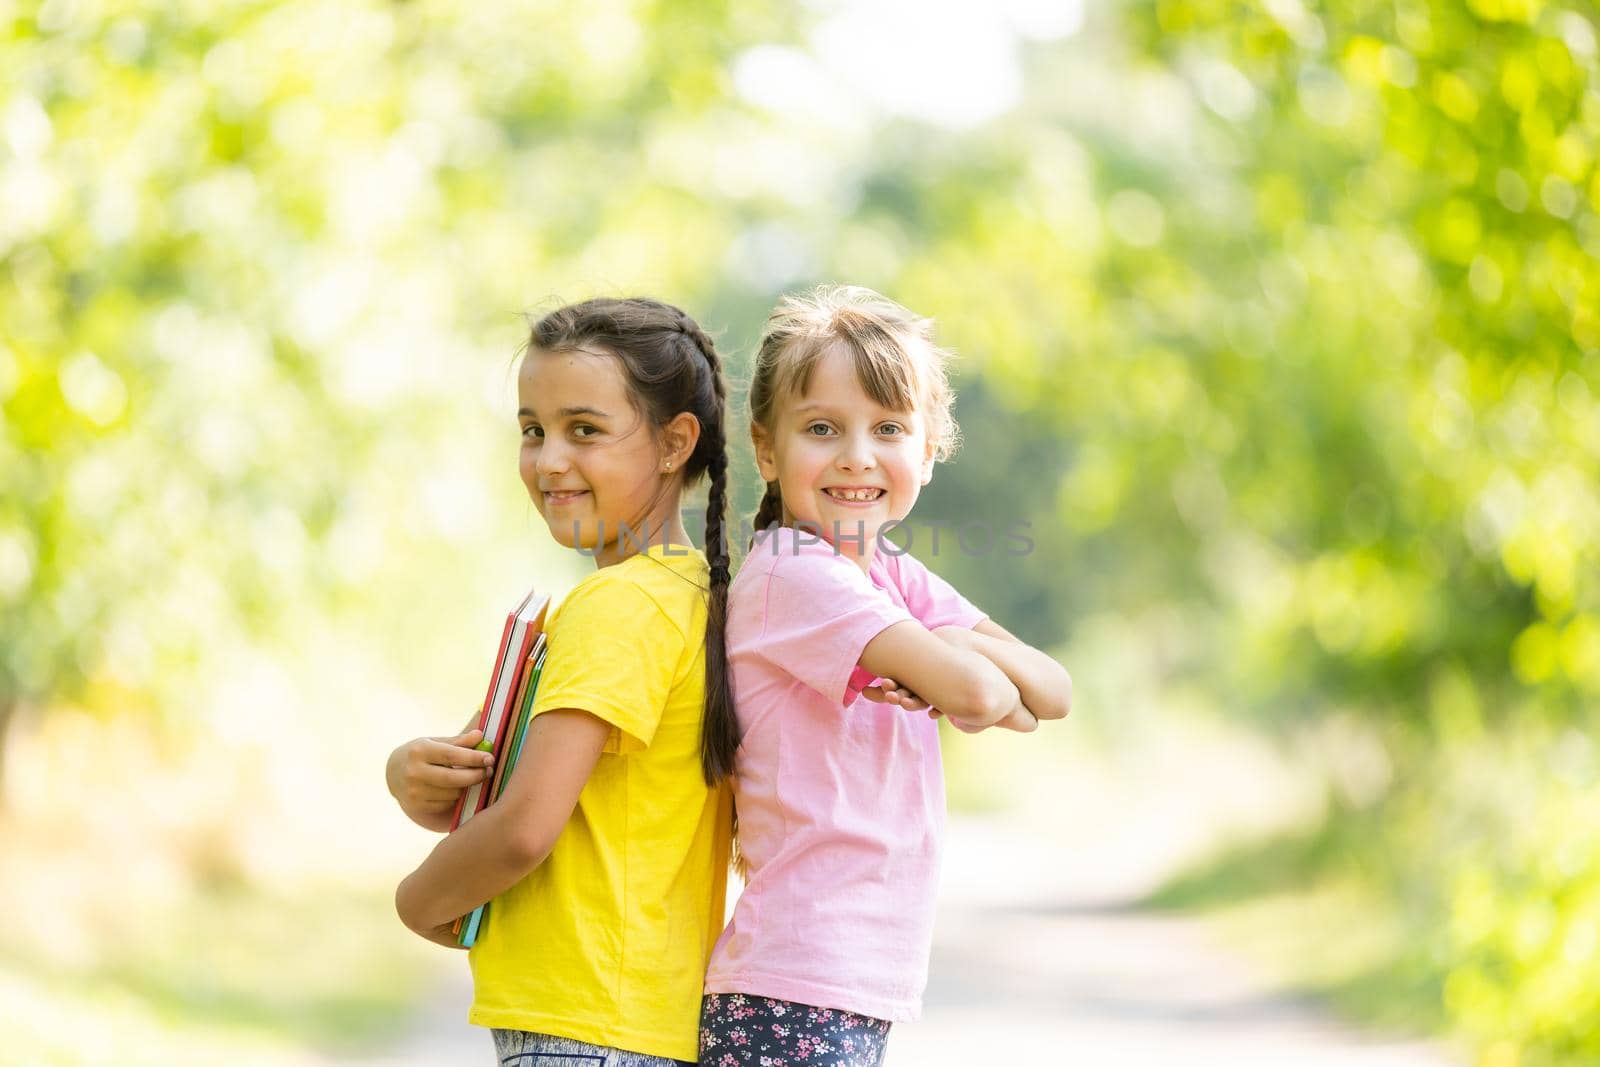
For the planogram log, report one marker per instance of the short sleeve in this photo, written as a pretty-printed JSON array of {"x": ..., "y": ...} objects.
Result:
[
  {"x": 932, "y": 600},
  {"x": 614, "y": 654},
  {"x": 820, "y": 611}
]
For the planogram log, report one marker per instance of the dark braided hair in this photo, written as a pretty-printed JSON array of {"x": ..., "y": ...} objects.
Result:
[
  {"x": 771, "y": 508},
  {"x": 719, "y": 738},
  {"x": 672, "y": 366}
]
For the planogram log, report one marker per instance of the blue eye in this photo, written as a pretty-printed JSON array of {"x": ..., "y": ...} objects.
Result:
[
  {"x": 824, "y": 427},
  {"x": 893, "y": 427}
]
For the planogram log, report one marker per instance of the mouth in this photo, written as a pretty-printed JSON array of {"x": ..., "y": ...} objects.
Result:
[
  {"x": 556, "y": 498},
  {"x": 855, "y": 494}
]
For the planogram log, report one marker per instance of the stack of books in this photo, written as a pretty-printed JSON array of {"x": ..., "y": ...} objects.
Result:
[{"x": 504, "y": 721}]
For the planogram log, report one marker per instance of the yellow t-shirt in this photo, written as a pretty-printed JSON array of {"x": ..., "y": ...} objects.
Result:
[{"x": 607, "y": 940}]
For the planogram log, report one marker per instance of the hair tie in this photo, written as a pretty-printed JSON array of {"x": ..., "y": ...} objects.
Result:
[{"x": 719, "y": 572}]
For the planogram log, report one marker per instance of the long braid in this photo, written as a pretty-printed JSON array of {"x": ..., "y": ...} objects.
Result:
[
  {"x": 719, "y": 738},
  {"x": 771, "y": 509}
]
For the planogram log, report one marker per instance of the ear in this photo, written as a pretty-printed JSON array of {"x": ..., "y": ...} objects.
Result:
[
  {"x": 678, "y": 439},
  {"x": 766, "y": 458}
]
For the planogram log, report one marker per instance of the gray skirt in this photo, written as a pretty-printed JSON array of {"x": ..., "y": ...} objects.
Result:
[{"x": 520, "y": 1048}]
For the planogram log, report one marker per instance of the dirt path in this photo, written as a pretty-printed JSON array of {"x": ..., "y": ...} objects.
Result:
[
  {"x": 1056, "y": 977},
  {"x": 1042, "y": 956}
]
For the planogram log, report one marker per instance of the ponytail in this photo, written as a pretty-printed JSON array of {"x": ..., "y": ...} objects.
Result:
[{"x": 771, "y": 509}]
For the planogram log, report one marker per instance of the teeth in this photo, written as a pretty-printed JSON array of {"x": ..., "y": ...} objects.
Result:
[{"x": 856, "y": 495}]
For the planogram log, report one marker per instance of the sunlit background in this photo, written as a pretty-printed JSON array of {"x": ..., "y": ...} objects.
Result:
[{"x": 1278, "y": 325}]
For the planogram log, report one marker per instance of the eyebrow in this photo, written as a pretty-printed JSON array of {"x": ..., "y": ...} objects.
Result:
[
  {"x": 565, "y": 413},
  {"x": 828, "y": 409}
]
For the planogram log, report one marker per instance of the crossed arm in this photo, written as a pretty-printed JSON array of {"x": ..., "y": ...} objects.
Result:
[{"x": 977, "y": 678}]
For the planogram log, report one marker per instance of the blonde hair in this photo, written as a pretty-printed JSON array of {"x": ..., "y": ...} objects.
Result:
[{"x": 892, "y": 348}]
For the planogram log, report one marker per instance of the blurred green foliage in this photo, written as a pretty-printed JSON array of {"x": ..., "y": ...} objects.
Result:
[
  {"x": 233, "y": 969},
  {"x": 1320, "y": 335},
  {"x": 247, "y": 246},
  {"x": 1281, "y": 328}
]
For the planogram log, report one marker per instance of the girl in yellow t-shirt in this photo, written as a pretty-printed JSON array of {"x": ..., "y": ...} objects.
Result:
[{"x": 607, "y": 853}]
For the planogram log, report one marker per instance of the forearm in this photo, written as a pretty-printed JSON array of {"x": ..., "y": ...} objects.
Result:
[
  {"x": 437, "y": 821},
  {"x": 1043, "y": 685},
  {"x": 995, "y": 698},
  {"x": 477, "y": 863},
  {"x": 942, "y": 671}
]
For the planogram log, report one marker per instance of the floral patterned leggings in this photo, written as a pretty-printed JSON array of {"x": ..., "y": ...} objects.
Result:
[{"x": 736, "y": 1029}]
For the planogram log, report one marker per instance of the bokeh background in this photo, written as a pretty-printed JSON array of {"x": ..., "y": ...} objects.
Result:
[{"x": 1278, "y": 323}]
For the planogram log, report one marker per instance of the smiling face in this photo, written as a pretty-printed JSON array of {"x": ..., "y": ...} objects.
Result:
[
  {"x": 842, "y": 460},
  {"x": 589, "y": 459}
]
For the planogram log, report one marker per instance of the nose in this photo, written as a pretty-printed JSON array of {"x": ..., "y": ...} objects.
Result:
[
  {"x": 855, "y": 452},
  {"x": 552, "y": 457}
]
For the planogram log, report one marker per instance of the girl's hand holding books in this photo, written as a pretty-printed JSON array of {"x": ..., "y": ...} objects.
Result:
[{"x": 427, "y": 775}]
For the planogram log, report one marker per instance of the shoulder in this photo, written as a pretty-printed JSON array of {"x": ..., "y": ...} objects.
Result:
[
  {"x": 900, "y": 563},
  {"x": 928, "y": 596},
  {"x": 794, "y": 576},
  {"x": 786, "y": 553},
  {"x": 606, "y": 583},
  {"x": 900, "y": 569},
  {"x": 640, "y": 595}
]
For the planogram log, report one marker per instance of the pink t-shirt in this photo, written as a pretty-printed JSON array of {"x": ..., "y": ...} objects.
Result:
[{"x": 840, "y": 799}]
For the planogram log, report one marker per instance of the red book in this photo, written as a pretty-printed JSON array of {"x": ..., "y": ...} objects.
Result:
[{"x": 522, "y": 629}]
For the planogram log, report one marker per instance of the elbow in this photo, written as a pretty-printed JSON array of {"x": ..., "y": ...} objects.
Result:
[
  {"x": 526, "y": 848},
  {"x": 410, "y": 906},
  {"x": 525, "y": 851},
  {"x": 1000, "y": 704},
  {"x": 1059, "y": 699},
  {"x": 990, "y": 696},
  {"x": 400, "y": 906}
]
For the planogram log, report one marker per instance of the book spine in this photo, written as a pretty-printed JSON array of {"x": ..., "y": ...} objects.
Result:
[
  {"x": 495, "y": 732},
  {"x": 522, "y": 726},
  {"x": 488, "y": 701},
  {"x": 508, "y": 699},
  {"x": 500, "y": 750},
  {"x": 466, "y": 927},
  {"x": 467, "y": 934}
]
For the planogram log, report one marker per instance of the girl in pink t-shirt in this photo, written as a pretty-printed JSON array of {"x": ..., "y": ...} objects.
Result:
[{"x": 837, "y": 640}]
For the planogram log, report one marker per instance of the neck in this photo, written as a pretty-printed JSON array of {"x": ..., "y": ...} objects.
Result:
[
  {"x": 856, "y": 544},
  {"x": 657, "y": 530}
]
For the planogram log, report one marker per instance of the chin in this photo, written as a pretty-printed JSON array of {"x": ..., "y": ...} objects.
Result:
[{"x": 582, "y": 537}]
